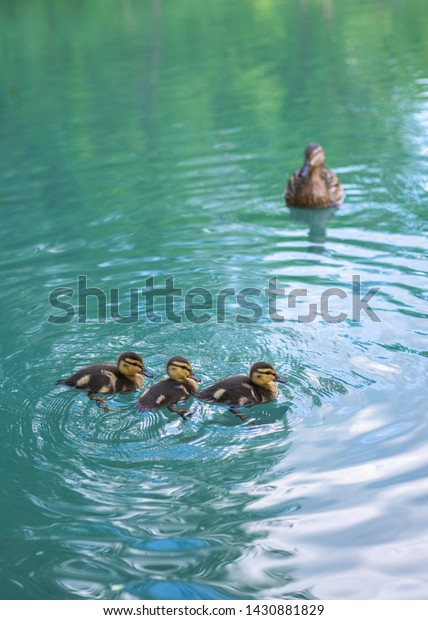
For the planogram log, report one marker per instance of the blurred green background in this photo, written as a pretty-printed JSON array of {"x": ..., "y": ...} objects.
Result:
[{"x": 155, "y": 138}]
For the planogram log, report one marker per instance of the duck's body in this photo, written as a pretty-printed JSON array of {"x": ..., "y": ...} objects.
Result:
[
  {"x": 102, "y": 379},
  {"x": 314, "y": 185},
  {"x": 243, "y": 390},
  {"x": 126, "y": 376},
  {"x": 239, "y": 391},
  {"x": 180, "y": 384}
]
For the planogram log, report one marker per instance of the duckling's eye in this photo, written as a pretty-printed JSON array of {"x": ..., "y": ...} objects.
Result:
[{"x": 266, "y": 373}]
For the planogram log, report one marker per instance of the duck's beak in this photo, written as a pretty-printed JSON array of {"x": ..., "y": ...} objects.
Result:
[
  {"x": 147, "y": 372},
  {"x": 280, "y": 379},
  {"x": 304, "y": 171},
  {"x": 195, "y": 377}
]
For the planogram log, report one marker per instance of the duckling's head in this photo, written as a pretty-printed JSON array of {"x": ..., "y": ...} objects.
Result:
[
  {"x": 262, "y": 374},
  {"x": 314, "y": 158},
  {"x": 179, "y": 369},
  {"x": 131, "y": 364}
]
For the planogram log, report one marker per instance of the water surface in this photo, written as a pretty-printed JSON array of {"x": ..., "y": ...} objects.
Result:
[{"x": 150, "y": 140}]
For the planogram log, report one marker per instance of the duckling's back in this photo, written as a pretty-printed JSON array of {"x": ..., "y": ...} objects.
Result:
[
  {"x": 99, "y": 378},
  {"x": 232, "y": 390},
  {"x": 163, "y": 394}
]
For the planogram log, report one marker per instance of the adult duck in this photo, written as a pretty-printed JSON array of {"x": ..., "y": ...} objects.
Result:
[{"x": 314, "y": 186}]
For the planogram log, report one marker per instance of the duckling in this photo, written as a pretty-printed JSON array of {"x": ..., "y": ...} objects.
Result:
[
  {"x": 314, "y": 185},
  {"x": 181, "y": 384},
  {"x": 126, "y": 376},
  {"x": 243, "y": 391}
]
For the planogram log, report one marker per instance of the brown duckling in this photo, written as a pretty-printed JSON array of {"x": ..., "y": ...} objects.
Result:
[
  {"x": 243, "y": 391},
  {"x": 126, "y": 376},
  {"x": 181, "y": 384},
  {"x": 314, "y": 185}
]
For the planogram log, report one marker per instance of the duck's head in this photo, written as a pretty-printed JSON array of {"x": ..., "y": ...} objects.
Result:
[
  {"x": 262, "y": 374},
  {"x": 179, "y": 369},
  {"x": 131, "y": 364},
  {"x": 314, "y": 158}
]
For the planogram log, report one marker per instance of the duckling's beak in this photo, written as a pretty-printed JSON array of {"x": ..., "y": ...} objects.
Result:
[
  {"x": 195, "y": 377},
  {"x": 147, "y": 372},
  {"x": 304, "y": 171},
  {"x": 280, "y": 379}
]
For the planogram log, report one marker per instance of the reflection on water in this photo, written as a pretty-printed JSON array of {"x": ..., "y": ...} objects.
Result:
[
  {"x": 154, "y": 139},
  {"x": 315, "y": 219}
]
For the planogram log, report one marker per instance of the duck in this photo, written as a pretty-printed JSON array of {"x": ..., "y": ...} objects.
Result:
[
  {"x": 180, "y": 384},
  {"x": 245, "y": 391},
  {"x": 125, "y": 376},
  {"x": 314, "y": 185}
]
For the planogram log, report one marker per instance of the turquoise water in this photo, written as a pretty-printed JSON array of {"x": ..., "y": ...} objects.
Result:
[{"x": 150, "y": 140}]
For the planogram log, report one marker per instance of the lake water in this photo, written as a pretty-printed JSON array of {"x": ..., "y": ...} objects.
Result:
[{"x": 154, "y": 140}]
